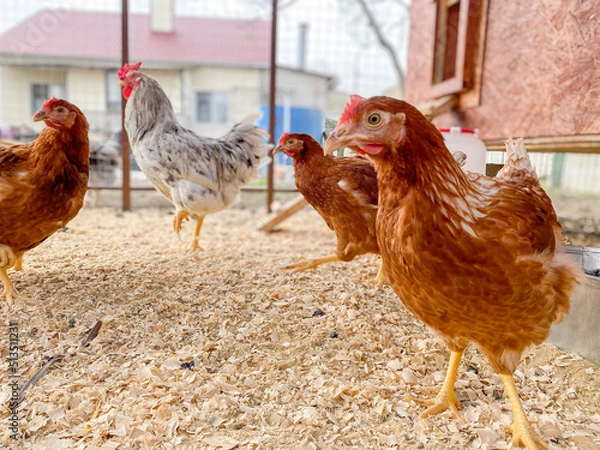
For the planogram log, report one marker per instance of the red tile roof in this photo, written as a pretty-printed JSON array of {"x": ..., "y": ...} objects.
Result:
[{"x": 97, "y": 35}]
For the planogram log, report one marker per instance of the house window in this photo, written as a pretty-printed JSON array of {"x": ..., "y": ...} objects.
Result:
[
  {"x": 39, "y": 94},
  {"x": 42, "y": 92},
  {"x": 458, "y": 47},
  {"x": 211, "y": 107},
  {"x": 113, "y": 91}
]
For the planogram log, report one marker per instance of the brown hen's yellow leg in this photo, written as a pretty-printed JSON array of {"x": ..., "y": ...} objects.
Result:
[
  {"x": 521, "y": 429},
  {"x": 179, "y": 217},
  {"x": 194, "y": 245},
  {"x": 313, "y": 263},
  {"x": 9, "y": 293},
  {"x": 18, "y": 263},
  {"x": 447, "y": 398},
  {"x": 381, "y": 276}
]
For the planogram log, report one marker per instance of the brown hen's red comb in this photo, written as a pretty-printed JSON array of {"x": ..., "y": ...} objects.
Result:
[
  {"x": 351, "y": 107},
  {"x": 283, "y": 138},
  {"x": 126, "y": 68},
  {"x": 49, "y": 102}
]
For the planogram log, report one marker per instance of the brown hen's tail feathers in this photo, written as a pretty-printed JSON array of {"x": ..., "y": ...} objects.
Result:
[
  {"x": 253, "y": 136},
  {"x": 517, "y": 161}
]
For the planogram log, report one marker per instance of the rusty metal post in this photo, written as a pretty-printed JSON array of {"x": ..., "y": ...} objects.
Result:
[
  {"x": 272, "y": 101},
  {"x": 126, "y": 183}
]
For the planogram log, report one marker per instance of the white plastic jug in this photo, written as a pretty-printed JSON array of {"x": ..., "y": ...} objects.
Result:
[{"x": 467, "y": 141}]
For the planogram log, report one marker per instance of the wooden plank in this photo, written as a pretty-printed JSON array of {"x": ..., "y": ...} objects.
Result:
[
  {"x": 585, "y": 143},
  {"x": 289, "y": 210},
  {"x": 439, "y": 106}
]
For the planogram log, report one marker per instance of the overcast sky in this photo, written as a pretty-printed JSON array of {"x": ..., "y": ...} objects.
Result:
[{"x": 337, "y": 43}]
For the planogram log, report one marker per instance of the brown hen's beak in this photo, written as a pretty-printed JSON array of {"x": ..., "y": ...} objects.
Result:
[
  {"x": 336, "y": 140},
  {"x": 42, "y": 114}
]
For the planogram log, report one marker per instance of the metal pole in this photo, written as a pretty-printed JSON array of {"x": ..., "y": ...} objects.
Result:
[
  {"x": 272, "y": 101},
  {"x": 126, "y": 186}
]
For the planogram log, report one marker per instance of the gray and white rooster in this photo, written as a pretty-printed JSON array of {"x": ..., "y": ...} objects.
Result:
[{"x": 199, "y": 175}]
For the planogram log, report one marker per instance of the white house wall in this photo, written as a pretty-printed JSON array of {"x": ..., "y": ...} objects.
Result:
[
  {"x": 239, "y": 83},
  {"x": 17, "y": 99},
  {"x": 302, "y": 89},
  {"x": 247, "y": 90},
  {"x": 87, "y": 89}
]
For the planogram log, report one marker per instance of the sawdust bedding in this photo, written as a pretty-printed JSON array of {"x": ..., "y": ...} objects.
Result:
[{"x": 225, "y": 349}]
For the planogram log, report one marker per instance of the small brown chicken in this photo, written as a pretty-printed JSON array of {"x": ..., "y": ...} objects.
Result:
[
  {"x": 504, "y": 280},
  {"x": 49, "y": 179},
  {"x": 343, "y": 190}
]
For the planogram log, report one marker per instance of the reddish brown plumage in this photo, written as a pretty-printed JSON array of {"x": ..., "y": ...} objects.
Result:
[
  {"x": 475, "y": 258},
  {"x": 471, "y": 256},
  {"x": 43, "y": 183},
  {"x": 343, "y": 190}
]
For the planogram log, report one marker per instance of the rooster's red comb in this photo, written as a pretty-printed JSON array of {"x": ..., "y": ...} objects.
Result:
[
  {"x": 283, "y": 138},
  {"x": 49, "y": 102},
  {"x": 351, "y": 107},
  {"x": 126, "y": 68}
]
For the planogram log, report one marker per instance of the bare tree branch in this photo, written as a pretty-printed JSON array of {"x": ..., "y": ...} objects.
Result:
[{"x": 384, "y": 43}]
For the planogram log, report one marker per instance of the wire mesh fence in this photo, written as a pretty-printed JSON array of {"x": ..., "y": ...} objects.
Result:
[{"x": 212, "y": 59}]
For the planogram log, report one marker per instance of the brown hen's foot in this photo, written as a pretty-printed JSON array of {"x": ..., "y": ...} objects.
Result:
[
  {"x": 194, "y": 244},
  {"x": 10, "y": 293},
  {"x": 178, "y": 218},
  {"x": 447, "y": 399},
  {"x": 443, "y": 401},
  {"x": 521, "y": 429},
  {"x": 312, "y": 264}
]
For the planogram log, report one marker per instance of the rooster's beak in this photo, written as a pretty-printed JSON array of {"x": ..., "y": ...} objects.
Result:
[{"x": 121, "y": 83}]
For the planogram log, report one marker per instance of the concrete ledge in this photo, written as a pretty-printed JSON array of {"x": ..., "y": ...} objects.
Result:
[{"x": 580, "y": 331}]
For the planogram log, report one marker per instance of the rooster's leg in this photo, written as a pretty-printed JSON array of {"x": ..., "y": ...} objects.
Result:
[
  {"x": 179, "y": 217},
  {"x": 521, "y": 429},
  {"x": 194, "y": 245},
  {"x": 446, "y": 397},
  {"x": 313, "y": 263}
]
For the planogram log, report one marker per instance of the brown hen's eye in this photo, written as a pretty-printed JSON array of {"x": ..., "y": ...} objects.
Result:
[
  {"x": 374, "y": 119},
  {"x": 60, "y": 110}
]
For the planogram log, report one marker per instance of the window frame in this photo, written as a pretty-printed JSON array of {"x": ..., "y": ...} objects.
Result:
[
  {"x": 218, "y": 112},
  {"x": 51, "y": 89},
  {"x": 113, "y": 89},
  {"x": 468, "y": 58},
  {"x": 35, "y": 99}
]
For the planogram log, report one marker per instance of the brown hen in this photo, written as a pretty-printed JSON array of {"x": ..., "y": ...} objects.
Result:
[
  {"x": 343, "y": 191},
  {"x": 42, "y": 184},
  {"x": 504, "y": 280}
]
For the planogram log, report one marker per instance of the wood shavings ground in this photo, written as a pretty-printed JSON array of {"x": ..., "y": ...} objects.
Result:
[{"x": 224, "y": 349}]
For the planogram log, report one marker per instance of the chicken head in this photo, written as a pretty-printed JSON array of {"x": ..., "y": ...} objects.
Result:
[
  {"x": 129, "y": 78},
  {"x": 57, "y": 113},
  {"x": 289, "y": 145},
  {"x": 366, "y": 133}
]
